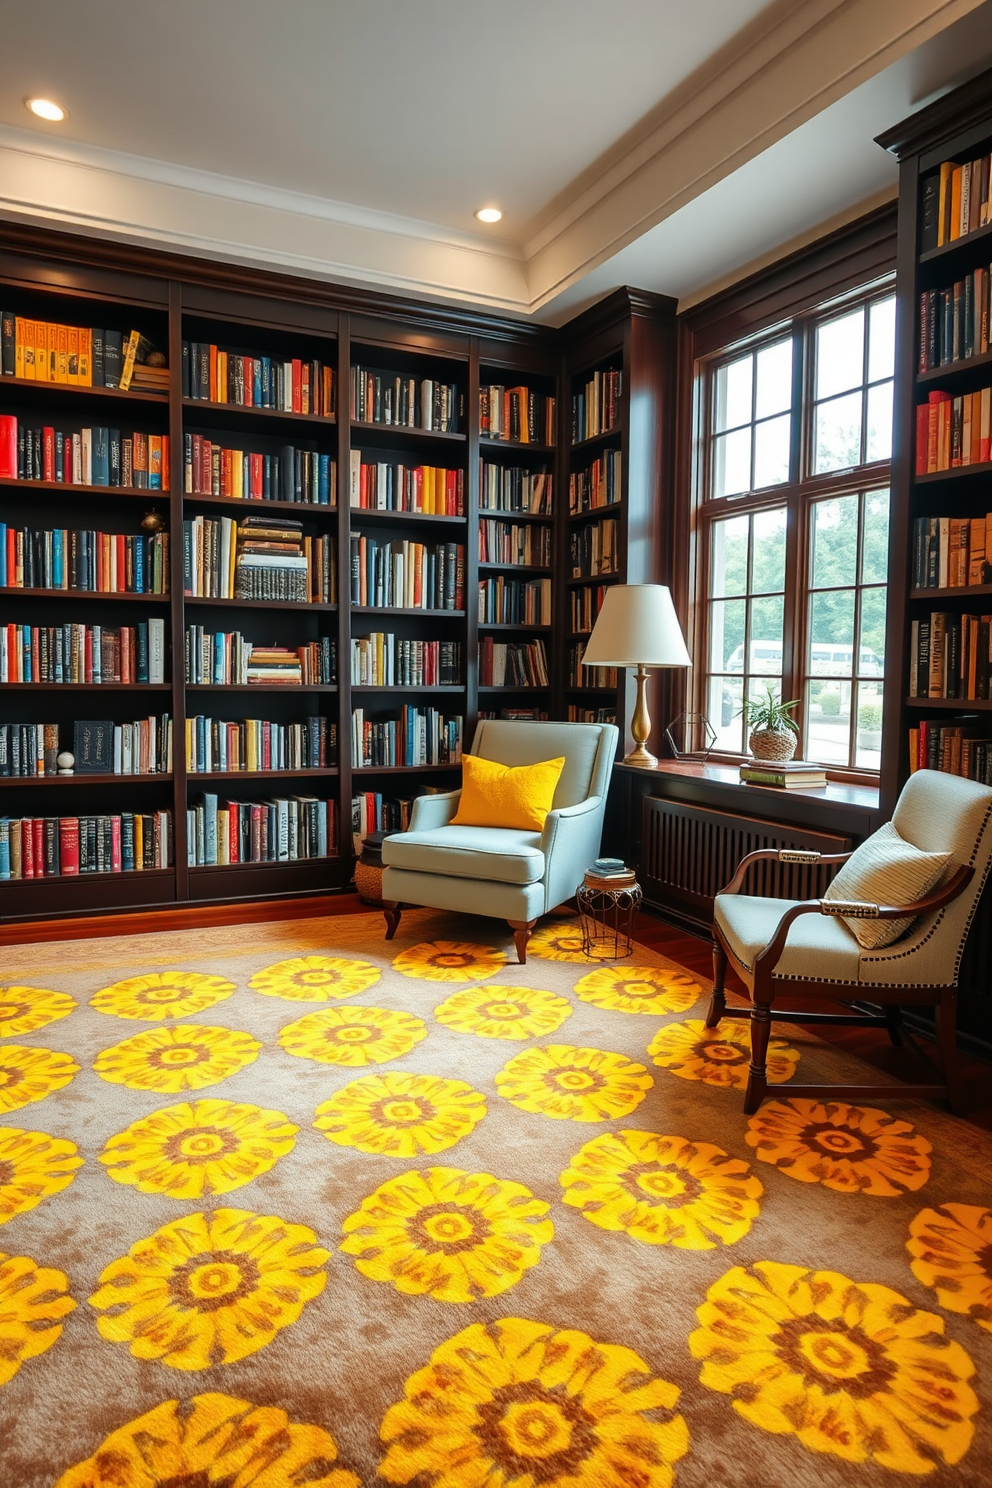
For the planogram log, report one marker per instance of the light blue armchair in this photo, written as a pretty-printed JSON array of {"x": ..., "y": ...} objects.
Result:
[{"x": 504, "y": 872}]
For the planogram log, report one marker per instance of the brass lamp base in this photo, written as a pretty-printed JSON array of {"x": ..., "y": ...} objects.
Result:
[
  {"x": 642, "y": 757},
  {"x": 640, "y": 727}
]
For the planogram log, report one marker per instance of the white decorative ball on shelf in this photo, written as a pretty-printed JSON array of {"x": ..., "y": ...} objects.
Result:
[{"x": 66, "y": 762}]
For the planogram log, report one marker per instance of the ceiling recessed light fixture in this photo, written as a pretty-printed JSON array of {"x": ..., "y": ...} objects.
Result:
[
  {"x": 44, "y": 108},
  {"x": 489, "y": 214}
]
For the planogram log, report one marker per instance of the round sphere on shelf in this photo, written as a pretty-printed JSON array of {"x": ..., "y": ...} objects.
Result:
[
  {"x": 66, "y": 762},
  {"x": 153, "y": 521}
]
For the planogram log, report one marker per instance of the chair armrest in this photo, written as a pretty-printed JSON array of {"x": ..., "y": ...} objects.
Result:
[
  {"x": 556, "y": 822},
  {"x": 431, "y": 812},
  {"x": 805, "y": 855}
]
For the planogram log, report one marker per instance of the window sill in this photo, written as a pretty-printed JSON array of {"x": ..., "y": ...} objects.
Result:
[{"x": 834, "y": 794}]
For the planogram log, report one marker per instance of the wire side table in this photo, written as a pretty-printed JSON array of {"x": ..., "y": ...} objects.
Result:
[{"x": 608, "y": 915}]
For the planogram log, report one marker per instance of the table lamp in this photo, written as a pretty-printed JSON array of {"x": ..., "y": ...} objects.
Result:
[{"x": 638, "y": 627}]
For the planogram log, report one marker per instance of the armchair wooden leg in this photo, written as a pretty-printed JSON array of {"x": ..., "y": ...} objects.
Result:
[
  {"x": 946, "y": 1019},
  {"x": 893, "y": 1022},
  {"x": 392, "y": 911},
  {"x": 719, "y": 1003},
  {"x": 757, "y": 1082},
  {"x": 521, "y": 935}
]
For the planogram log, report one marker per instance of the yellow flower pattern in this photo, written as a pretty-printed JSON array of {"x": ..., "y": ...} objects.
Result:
[
  {"x": 852, "y": 1369},
  {"x": 33, "y": 1166},
  {"x": 353, "y": 1036},
  {"x": 210, "y": 1288},
  {"x": 448, "y": 1234},
  {"x": 33, "y": 1301},
  {"x": 450, "y": 961},
  {"x": 852, "y": 1149},
  {"x": 517, "y": 1404},
  {"x": 26, "y": 1009},
  {"x": 212, "y": 1441},
  {"x": 639, "y": 989},
  {"x": 663, "y": 1190},
  {"x": 561, "y": 942},
  {"x": 315, "y": 978},
  {"x": 401, "y": 1115},
  {"x": 186, "y": 1056},
  {"x": 952, "y": 1254},
  {"x": 28, "y": 1075},
  {"x": 570, "y": 1084},
  {"x": 504, "y": 1012},
  {"x": 191, "y": 1150},
  {"x": 717, "y": 1056},
  {"x": 162, "y": 994}
]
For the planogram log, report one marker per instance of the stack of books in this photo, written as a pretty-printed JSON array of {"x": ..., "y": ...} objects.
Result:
[
  {"x": 274, "y": 664},
  {"x": 609, "y": 873},
  {"x": 149, "y": 379},
  {"x": 271, "y": 563},
  {"x": 786, "y": 774}
]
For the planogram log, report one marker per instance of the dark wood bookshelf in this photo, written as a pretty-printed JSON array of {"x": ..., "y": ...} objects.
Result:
[
  {"x": 959, "y": 591},
  {"x": 520, "y": 568},
  {"x": 521, "y": 627},
  {"x": 292, "y": 688},
  {"x": 403, "y": 769},
  {"x": 513, "y": 687},
  {"x": 411, "y": 610},
  {"x": 324, "y": 421},
  {"x": 605, "y": 578},
  {"x": 74, "y": 390},
  {"x": 395, "y": 518},
  {"x": 388, "y": 433},
  {"x": 951, "y": 369},
  {"x": 956, "y": 472},
  {"x": 579, "y": 446},
  {"x": 326, "y": 771},
  {"x": 953, "y": 705},
  {"x": 301, "y": 508},
  {"x": 85, "y": 687},
  {"x": 164, "y": 776},
  {"x": 70, "y": 488},
  {"x": 259, "y": 604},
  {"x": 7, "y": 592},
  {"x": 518, "y": 446},
  {"x": 596, "y": 513},
  {"x": 976, "y": 240},
  {"x": 449, "y": 687}
]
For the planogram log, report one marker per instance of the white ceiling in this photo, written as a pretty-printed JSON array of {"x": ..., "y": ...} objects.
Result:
[{"x": 642, "y": 141}]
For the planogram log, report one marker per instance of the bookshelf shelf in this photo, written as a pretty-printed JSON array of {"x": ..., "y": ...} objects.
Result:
[
  {"x": 960, "y": 591},
  {"x": 386, "y": 434},
  {"x": 404, "y": 769},
  {"x": 88, "y": 594},
  {"x": 196, "y": 869},
  {"x": 595, "y": 440},
  {"x": 953, "y": 705},
  {"x": 325, "y": 771},
  {"x": 596, "y": 513},
  {"x": 521, "y": 568},
  {"x": 47, "y": 390},
  {"x": 86, "y": 687},
  {"x": 294, "y": 689},
  {"x": 431, "y": 687},
  {"x": 512, "y": 687},
  {"x": 362, "y": 514},
  {"x": 259, "y": 604},
  {"x": 413, "y": 610},
  {"x": 68, "y": 488},
  {"x": 193, "y": 406},
  {"x": 304, "y": 509},
  {"x": 959, "y": 245},
  {"x": 488, "y": 513},
  {"x": 957, "y": 472},
  {"x": 523, "y": 626},
  {"x": 952, "y": 369},
  {"x": 517, "y": 446},
  {"x": 603, "y": 578},
  {"x": 22, "y": 780},
  {"x": 148, "y": 874}
]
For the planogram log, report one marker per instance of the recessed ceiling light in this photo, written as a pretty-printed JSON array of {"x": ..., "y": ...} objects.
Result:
[
  {"x": 489, "y": 214},
  {"x": 46, "y": 109}
]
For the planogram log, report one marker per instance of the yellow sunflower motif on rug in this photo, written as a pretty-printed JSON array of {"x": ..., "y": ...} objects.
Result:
[
  {"x": 717, "y": 1056},
  {"x": 210, "y": 1288},
  {"x": 639, "y": 989},
  {"x": 663, "y": 1190},
  {"x": 185, "y": 1056},
  {"x": 199, "y": 1148},
  {"x": 952, "y": 1254},
  {"x": 450, "y": 961},
  {"x": 448, "y": 1234},
  {"x": 517, "y": 1402},
  {"x": 162, "y": 994},
  {"x": 212, "y": 1441},
  {"x": 26, "y": 1009},
  {"x": 33, "y": 1301},
  {"x": 851, "y": 1149},
  {"x": 353, "y": 1036},
  {"x": 315, "y": 978},
  {"x": 558, "y": 943},
  {"x": 33, "y": 1166},
  {"x": 852, "y": 1369},
  {"x": 504, "y": 1012},
  {"x": 570, "y": 1084},
  {"x": 28, "y": 1075},
  {"x": 397, "y": 1114}
]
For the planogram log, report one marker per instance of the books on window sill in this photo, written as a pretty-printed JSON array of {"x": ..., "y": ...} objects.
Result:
[
  {"x": 961, "y": 746},
  {"x": 596, "y": 405},
  {"x": 69, "y": 846},
  {"x": 953, "y": 432},
  {"x": 419, "y": 736},
  {"x": 406, "y": 402},
  {"x": 584, "y": 605},
  {"x": 288, "y": 385},
  {"x": 258, "y": 744},
  {"x": 950, "y": 552},
  {"x": 97, "y": 456},
  {"x": 373, "y": 812},
  {"x": 74, "y": 356},
  {"x": 529, "y": 545},
  {"x": 511, "y": 489},
  {"x": 512, "y": 664},
  {"x": 102, "y": 747},
  {"x": 385, "y": 660},
  {"x": 517, "y": 413},
  {"x": 578, "y": 714},
  {"x": 407, "y": 575},
  {"x": 599, "y": 484},
  {"x": 583, "y": 676},
  {"x": 90, "y": 654},
  {"x": 302, "y": 476},
  {"x": 505, "y": 601},
  {"x": 88, "y": 562},
  {"x": 287, "y": 829},
  {"x": 388, "y": 486},
  {"x": 267, "y": 558},
  {"x": 594, "y": 548},
  {"x": 950, "y": 656},
  {"x": 954, "y": 322},
  {"x": 227, "y": 657},
  {"x": 784, "y": 774},
  {"x": 955, "y": 202}
]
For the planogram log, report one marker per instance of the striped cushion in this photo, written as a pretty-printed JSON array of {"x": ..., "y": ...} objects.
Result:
[{"x": 885, "y": 869}]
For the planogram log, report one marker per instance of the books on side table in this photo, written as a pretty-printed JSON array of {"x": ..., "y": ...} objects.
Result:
[
  {"x": 785, "y": 774},
  {"x": 609, "y": 873}
]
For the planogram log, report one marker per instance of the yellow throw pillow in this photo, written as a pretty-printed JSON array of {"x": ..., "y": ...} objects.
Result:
[{"x": 506, "y": 796}]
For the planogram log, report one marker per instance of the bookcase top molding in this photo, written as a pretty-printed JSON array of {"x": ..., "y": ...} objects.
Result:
[{"x": 929, "y": 127}]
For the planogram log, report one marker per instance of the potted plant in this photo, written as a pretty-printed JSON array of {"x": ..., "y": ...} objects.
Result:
[{"x": 774, "y": 734}]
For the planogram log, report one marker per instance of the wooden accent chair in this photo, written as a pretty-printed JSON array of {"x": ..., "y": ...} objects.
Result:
[{"x": 804, "y": 948}]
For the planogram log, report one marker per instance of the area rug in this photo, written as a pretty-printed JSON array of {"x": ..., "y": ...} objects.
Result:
[{"x": 286, "y": 1206}]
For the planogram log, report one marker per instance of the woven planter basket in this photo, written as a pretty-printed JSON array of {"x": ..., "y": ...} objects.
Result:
[
  {"x": 772, "y": 744},
  {"x": 368, "y": 882}
]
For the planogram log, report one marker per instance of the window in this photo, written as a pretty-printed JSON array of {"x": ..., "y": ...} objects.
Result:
[{"x": 792, "y": 528}]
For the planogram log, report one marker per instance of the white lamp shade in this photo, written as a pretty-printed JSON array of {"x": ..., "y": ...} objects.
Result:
[{"x": 637, "y": 626}]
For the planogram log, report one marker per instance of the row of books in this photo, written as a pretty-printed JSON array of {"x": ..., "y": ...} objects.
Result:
[
  {"x": 97, "y": 456},
  {"x": 599, "y": 484},
  {"x": 228, "y": 658},
  {"x": 259, "y": 744},
  {"x": 411, "y": 403},
  {"x": 390, "y": 486},
  {"x": 65, "y": 846},
  {"x": 583, "y": 676},
  {"x": 285, "y": 830},
  {"x": 512, "y": 664},
  {"x": 508, "y": 488},
  {"x": 290, "y": 385},
  {"x": 959, "y": 747},
  {"x": 267, "y": 558},
  {"x": 516, "y": 715},
  {"x": 950, "y": 656},
  {"x": 596, "y": 405},
  {"x": 90, "y": 654},
  {"x": 385, "y": 660},
  {"x": 950, "y": 552},
  {"x": 955, "y": 202},
  {"x": 579, "y": 714},
  {"x": 510, "y": 542},
  {"x": 102, "y": 747},
  {"x": 594, "y": 548},
  {"x": 76, "y": 356},
  {"x": 373, "y": 812},
  {"x": 407, "y": 575},
  {"x": 516, "y": 413},
  {"x": 298, "y": 475},
  {"x": 585, "y": 604},
  {"x": 954, "y": 323},
  {"x": 92, "y": 562},
  {"x": 953, "y": 431},
  {"x": 784, "y": 774},
  {"x": 504, "y": 601},
  {"x": 419, "y": 736}
]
